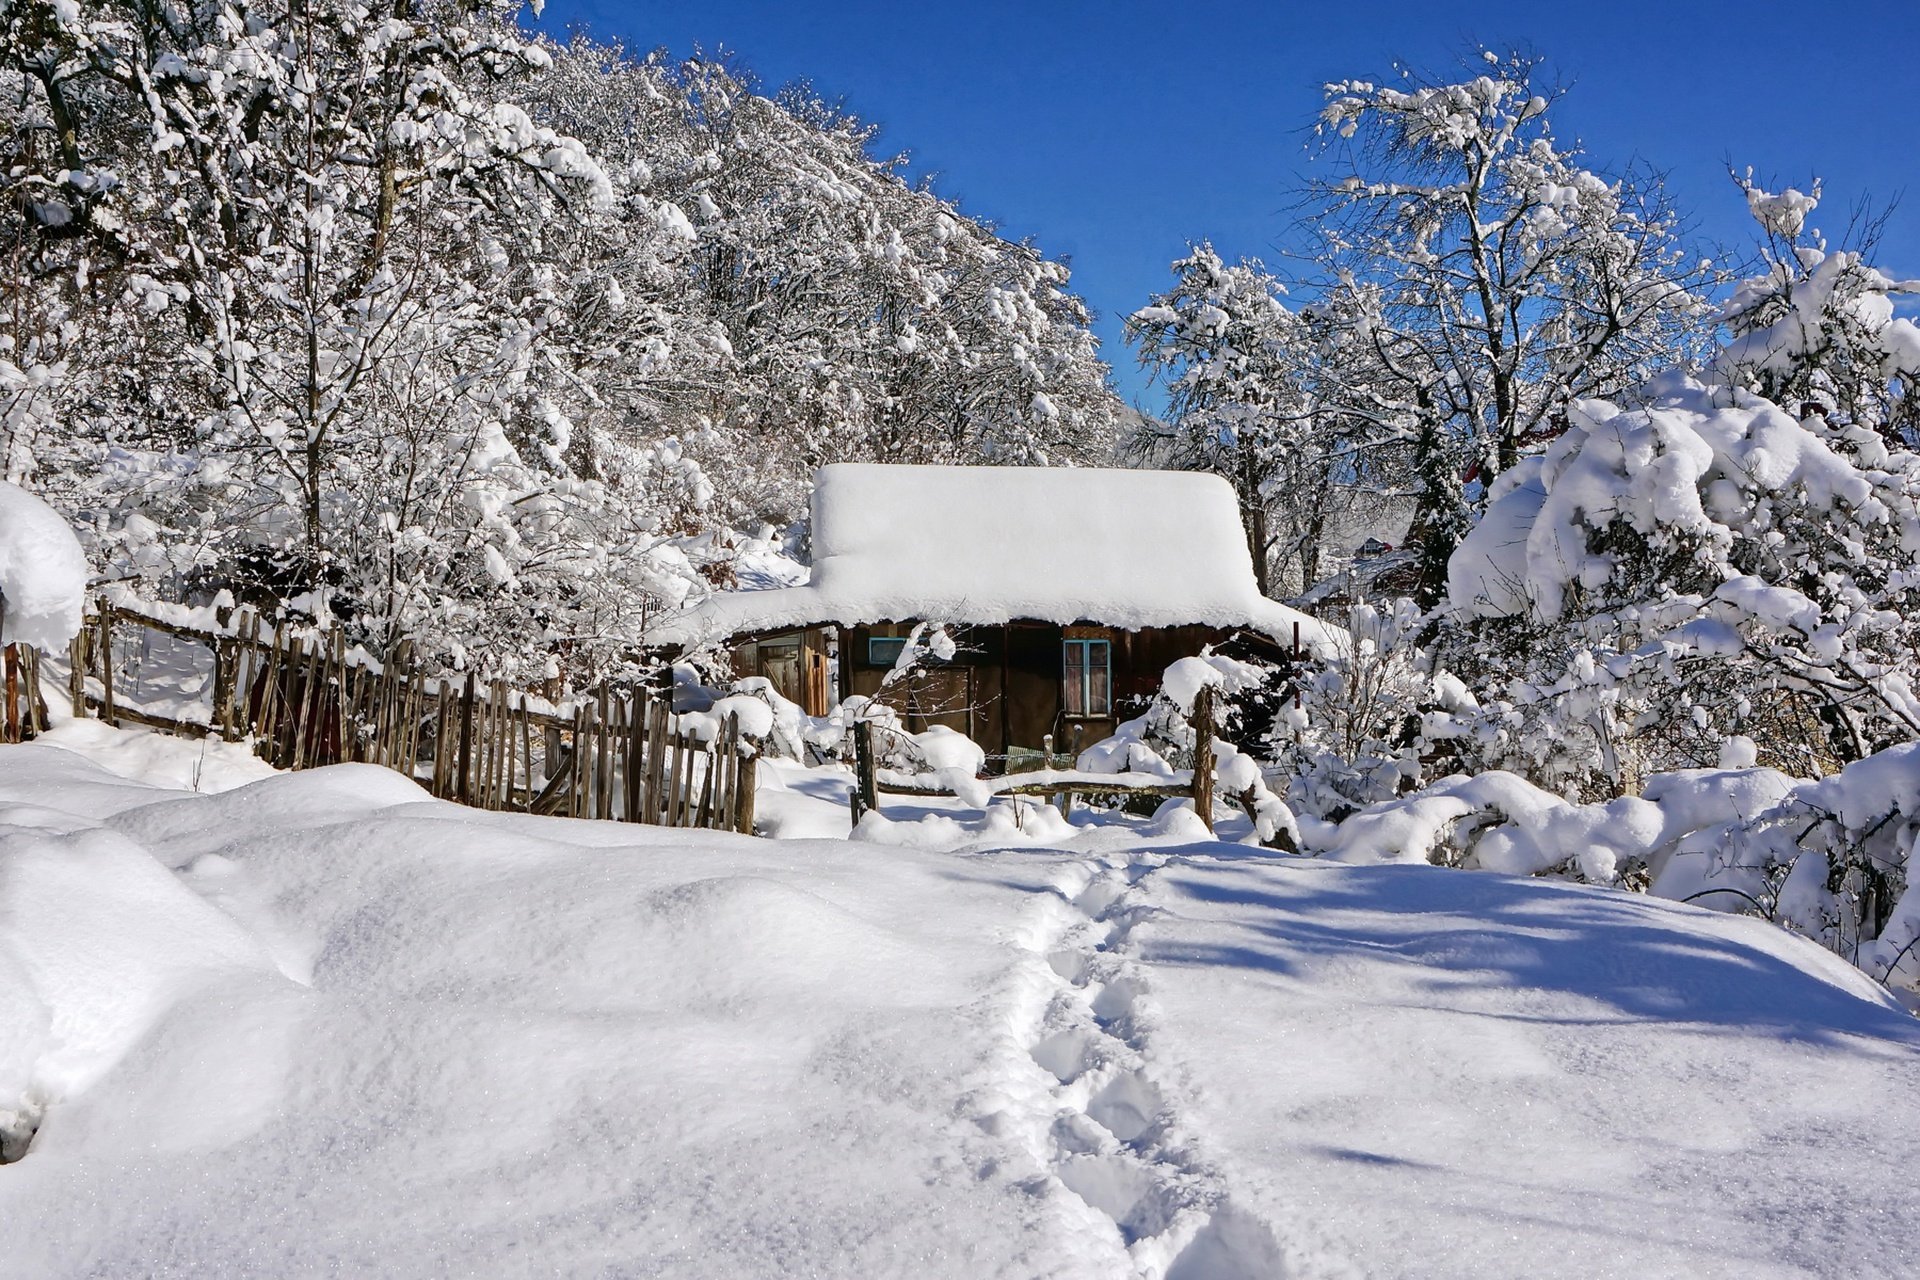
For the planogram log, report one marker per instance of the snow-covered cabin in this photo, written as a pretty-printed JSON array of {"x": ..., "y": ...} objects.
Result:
[{"x": 1068, "y": 590}]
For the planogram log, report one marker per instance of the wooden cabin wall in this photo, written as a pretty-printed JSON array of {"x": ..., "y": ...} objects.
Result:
[
  {"x": 1140, "y": 658},
  {"x": 1012, "y": 677},
  {"x": 963, "y": 696},
  {"x": 796, "y": 662},
  {"x": 816, "y": 674}
]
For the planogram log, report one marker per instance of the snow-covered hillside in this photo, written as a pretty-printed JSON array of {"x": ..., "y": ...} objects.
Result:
[{"x": 318, "y": 1023}]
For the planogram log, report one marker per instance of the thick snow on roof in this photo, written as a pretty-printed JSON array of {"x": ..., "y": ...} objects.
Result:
[
  {"x": 43, "y": 572},
  {"x": 985, "y": 545}
]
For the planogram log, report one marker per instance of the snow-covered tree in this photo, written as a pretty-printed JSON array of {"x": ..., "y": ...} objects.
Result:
[
  {"x": 323, "y": 221},
  {"x": 1223, "y": 342},
  {"x": 862, "y": 318},
  {"x": 1484, "y": 278},
  {"x": 458, "y": 334},
  {"x": 1816, "y": 331},
  {"x": 1666, "y": 577}
]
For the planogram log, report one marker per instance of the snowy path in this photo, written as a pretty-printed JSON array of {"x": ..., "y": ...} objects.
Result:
[
  {"x": 1114, "y": 1139},
  {"x": 316, "y": 1025}
]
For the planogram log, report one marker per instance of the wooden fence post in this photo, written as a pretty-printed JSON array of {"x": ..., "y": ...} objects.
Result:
[
  {"x": 679, "y": 784},
  {"x": 225, "y": 661},
  {"x": 743, "y": 784},
  {"x": 36, "y": 703},
  {"x": 11, "y": 660},
  {"x": 300, "y": 724},
  {"x": 729, "y": 765},
  {"x": 866, "y": 789},
  {"x": 659, "y": 713},
  {"x": 703, "y": 815},
  {"x": 581, "y": 789},
  {"x": 77, "y": 673},
  {"x": 1203, "y": 755},
  {"x": 463, "y": 789},
  {"x": 256, "y": 661},
  {"x": 603, "y": 758},
  {"x": 106, "y": 660},
  {"x": 638, "y": 709},
  {"x": 343, "y": 734}
]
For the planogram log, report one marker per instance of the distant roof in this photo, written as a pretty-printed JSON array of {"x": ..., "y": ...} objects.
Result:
[
  {"x": 987, "y": 545},
  {"x": 1376, "y": 575}
]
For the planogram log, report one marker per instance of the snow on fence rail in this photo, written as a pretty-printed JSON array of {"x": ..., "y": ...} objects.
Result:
[
  {"x": 304, "y": 698},
  {"x": 1061, "y": 785}
]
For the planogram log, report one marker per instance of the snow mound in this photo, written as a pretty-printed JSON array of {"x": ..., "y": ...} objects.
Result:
[
  {"x": 162, "y": 760},
  {"x": 43, "y": 573},
  {"x": 701, "y": 1055},
  {"x": 97, "y": 942}
]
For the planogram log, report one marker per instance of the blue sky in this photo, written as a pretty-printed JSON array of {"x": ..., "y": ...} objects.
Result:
[{"x": 1114, "y": 133}]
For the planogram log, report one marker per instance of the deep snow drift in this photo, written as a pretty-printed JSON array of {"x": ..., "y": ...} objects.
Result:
[
  {"x": 318, "y": 1023},
  {"x": 43, "y": 573}
]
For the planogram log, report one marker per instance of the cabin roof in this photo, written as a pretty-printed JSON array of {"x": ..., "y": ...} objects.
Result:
[{"x": 988, "y": 545}]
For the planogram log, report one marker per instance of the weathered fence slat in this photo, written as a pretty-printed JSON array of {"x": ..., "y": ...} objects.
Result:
[
  {"x": 106, "y": 660},
  {"x": 743, "y": 804}
]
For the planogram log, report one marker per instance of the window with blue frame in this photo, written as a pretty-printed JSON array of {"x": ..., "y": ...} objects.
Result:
[
  {"x": 884, "y": 651},
  {"x": 1088, "y": 668}
]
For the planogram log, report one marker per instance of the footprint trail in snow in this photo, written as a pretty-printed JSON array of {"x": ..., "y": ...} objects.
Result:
[{"x": 1114, "y": 1137}]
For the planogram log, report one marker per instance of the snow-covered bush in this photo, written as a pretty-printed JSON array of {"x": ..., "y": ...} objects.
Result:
[
  {"x": 1495, "y": 821},
  {"x": 1831, "y": 859},
  {"x": 1668, "y": 576},
  {"x": 1162, "y": 737},
  {"x": 1366, "y": 717},
  {"x": 43, "y": 573}
]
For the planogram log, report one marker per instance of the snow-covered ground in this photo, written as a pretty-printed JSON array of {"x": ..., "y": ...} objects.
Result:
[{"x": 320, "y": 1024}]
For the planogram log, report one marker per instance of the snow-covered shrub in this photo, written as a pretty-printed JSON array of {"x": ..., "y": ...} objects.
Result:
[
  {"x": 1668, "y": 576},
  {"x": 1831, "y": 859},
  {"x": 942, "y": 756},
  {"x": 1161, "y": 738},
  {"x": 788, "y": 727},
  {"x": 43, "y": 573},
  {"x": 1496, "y": 821},
  {"x": 939, "y": 751},
  {"x": 1365, "y": 716}
]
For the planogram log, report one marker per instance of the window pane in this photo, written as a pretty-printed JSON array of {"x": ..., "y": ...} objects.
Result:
[
  {"x": 1099, "y": 678},
  {"x": 884, "y": 651},
  {"x": 1074, "y": 677}
]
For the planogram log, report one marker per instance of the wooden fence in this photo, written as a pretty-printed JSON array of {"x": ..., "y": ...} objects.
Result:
[
  {"x": 306, "y": 699},
  {"x": 23, "y": 712}
]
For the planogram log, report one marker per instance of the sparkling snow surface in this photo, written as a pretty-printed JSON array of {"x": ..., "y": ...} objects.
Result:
[
  {"x": 987, "y": 545},
  {"x": 319, "y": 1024}
]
